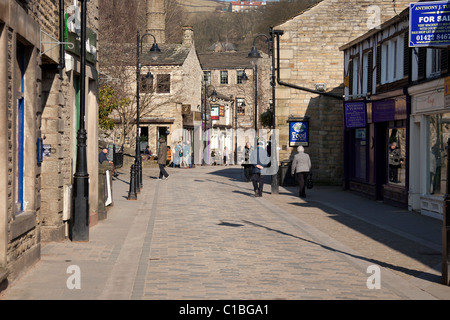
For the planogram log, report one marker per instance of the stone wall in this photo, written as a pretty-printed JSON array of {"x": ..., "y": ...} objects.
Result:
[
  {"x": 309, "y": 55},
  {"x": 48, "y": 116}
]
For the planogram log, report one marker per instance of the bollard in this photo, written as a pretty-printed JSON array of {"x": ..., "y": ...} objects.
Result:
[{"x": 132, "y": 195}]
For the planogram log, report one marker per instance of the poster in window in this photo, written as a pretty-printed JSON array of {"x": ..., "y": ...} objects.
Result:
[{"x": 298, "y": 133}]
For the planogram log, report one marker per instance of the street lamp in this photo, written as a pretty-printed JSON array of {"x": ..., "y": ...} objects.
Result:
[
  {"x": 136, "y": 168},
  {"x": 79, "y": 225},
  {"x": 254, "y": 54}
]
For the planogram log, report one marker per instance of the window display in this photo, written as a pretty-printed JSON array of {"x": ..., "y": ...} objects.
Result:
[
  {"x": 397, "y": 156},
  {"x": 439, "y": 132}
]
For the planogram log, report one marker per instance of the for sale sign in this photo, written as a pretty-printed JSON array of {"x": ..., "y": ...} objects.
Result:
[{"x": 429, "y": 24}]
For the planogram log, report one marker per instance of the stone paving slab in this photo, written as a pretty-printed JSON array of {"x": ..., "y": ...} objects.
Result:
[{"x": 202, "y": 235}]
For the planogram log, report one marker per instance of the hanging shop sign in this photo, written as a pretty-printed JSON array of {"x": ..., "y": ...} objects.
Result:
[
  {"x": 429, "y": 24},
  {"x": 73, "y": 32},
  {"x": 298, "y": 133},
  {"x": 355, "y": 114},
  {"x": 214, "y": 112}
]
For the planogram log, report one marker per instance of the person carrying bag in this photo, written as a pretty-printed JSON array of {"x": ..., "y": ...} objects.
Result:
[{"x": 301, "y": 165}]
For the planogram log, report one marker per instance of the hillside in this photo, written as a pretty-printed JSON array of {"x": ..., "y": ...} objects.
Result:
[{"x": 199, "y": 6}]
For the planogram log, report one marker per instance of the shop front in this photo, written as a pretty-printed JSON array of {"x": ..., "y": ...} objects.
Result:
[
  {"x": 376, "y": 148},
  {"x": 430, "y": 131}
]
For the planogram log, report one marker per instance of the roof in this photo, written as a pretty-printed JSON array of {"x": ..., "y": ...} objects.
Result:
[
  {"x": 170, "y": 55},
  {"x": 225, "y": 60},
  {"x": 400, "y": 17}
]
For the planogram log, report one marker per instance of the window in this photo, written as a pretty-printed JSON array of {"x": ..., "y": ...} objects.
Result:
[
  {"x": 355, "y": 78},
  {"x": 367, "y": 73},
  {"x": 207, "y": 77},
  {"x": 239, "y": 74},
  {"x": 146, "y": 84},
  {"x": 240, "y": 102},
  {"x": 433, "y": 63},
  {"x": 438, "y": 132},
  {"x": 358, "y": 150},
  {"x": 397, "y": 154},
  {"x": 223, "y": 77},
  {"x": 163, "y": 83},
  {"x": 392, "y": 59}
]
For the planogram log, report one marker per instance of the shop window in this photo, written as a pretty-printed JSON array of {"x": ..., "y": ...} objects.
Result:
[
  {"x": 359, "y": 154},
  {"x": 439, "y": 131},
  {"x": 397, "y": 156}
]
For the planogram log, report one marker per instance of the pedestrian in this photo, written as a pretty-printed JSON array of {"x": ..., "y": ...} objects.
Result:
[
  {"x": 301, "y": 165},
  {"x": 178, "y": 154},
  {"x": 103, "y": 156},
  {"x": 247, "y": 165},
  {"x": 186, "y": 155},
  {"x": 162, "y": 159},
  {"x": 225, "y": 155},
  {"x": 395, "y": 162},
  {"x": 147, "y": 152},
  {"x": 169, "y": 155},
  {"x": 259, "y": 161}
]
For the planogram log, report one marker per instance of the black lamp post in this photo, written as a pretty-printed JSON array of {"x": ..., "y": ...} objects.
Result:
[
  {"x": 79, "y": 225},
  {"x": 254, "y": 54},
  {"x": 136, "y": 168}
]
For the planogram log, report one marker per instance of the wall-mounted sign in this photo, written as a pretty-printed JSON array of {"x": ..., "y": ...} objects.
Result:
[
  {"x": 355, "y": 114},
  {"x": 222, "y": 111},
  {"x": 214, "y": 112},
  {"x": 383, "y": 110},
  {"x": 47, "y": 150},
  {"x": 429, "y": 24},
  {"x": 298, "y": 133},
  {"x": 72, "y": 35}
]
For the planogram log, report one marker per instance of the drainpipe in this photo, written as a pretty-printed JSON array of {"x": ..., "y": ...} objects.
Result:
[
  {"x": 62, "y": 30},
  {"x": 293, "y": 85}
]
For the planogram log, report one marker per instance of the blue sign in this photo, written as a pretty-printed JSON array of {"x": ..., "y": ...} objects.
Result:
[
  {"x": 429, "y": 24},
  {"x": 298, "y": 133},
  {"x": 355, "y": 114}
]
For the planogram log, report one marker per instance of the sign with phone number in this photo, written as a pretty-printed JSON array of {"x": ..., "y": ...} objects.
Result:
[{"x": 429, "y": 24}]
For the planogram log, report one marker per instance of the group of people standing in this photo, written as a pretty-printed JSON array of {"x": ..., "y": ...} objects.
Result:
[{"x": 182, "y": 155}]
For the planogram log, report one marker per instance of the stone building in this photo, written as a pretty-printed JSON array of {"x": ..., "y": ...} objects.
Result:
[
  {"x": 310, "y": 59},
  {"x": 39, "y": 103},
  {"x": 239, "y": 103},
  {"x": 170, "y": 99}
]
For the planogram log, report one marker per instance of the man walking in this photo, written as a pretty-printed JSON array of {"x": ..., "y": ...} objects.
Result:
[
  {"x": 162, "y": 159},
  {"x": 259, "y": 161}
]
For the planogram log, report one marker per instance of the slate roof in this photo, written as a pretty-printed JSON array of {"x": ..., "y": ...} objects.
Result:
[
  {"x": 170, "y": 55},
  {"x": 225, "y": 60}
]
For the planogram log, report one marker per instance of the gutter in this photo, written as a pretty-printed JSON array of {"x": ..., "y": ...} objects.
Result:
[{"x": 280, "y": 82}]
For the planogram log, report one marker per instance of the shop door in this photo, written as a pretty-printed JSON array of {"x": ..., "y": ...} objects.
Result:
[{"x": 380, "y": 158}]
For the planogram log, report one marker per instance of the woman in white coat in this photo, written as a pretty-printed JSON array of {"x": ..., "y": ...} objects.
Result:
[{"x": 301, "y": 165}]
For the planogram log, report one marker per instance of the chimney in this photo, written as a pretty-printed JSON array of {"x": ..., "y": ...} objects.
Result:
[
  {"x": 156, "y": 21},
  {"x": 188, "y": 36}
]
